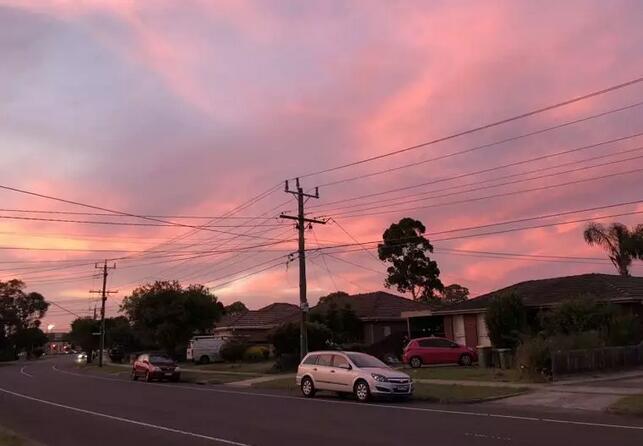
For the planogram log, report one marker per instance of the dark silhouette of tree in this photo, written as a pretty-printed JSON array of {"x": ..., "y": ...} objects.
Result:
[
  {"x": 622, "y": 244},
  {"x": 412, "y": 270},
  {"x": 454, "y": 294},
  {"x": 235, "y": 308},
  {"x": 506, "y": 319},
  {"x": 167, "y": 315}
]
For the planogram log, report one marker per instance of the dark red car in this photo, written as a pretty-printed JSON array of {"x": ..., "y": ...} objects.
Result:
[
  {"x": 152, "y": 366},
  {"x": 437, "y": 351}
]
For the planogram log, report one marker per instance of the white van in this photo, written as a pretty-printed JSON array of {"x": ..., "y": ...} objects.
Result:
[{"x": 205, "y": 349}]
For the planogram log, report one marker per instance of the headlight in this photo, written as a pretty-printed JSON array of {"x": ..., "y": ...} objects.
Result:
[
  {"x": 177, "y": 369},
  {"x": 379, "y": 378},
  {"x": 156, "y": 369}
]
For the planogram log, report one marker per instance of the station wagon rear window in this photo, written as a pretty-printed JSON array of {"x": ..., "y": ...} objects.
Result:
[{"x": 310, "y": 360}]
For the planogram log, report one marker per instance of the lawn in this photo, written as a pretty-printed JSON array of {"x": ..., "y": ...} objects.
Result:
[
  {"x": 629, "y": 405},
  {"x": 453, "y": 393},
  {"x": 252, "y": 368},
  {"x": 442, "y": 393},
  {"x": 464, "y": 373},
  {"x": 279, "y": 383},
  {"x": 8, "y": 438}
]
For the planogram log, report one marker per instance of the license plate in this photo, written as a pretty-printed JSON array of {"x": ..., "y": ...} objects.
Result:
[
  {"x": 168, "y": 374},
  {"x": 401, "y": 388}
]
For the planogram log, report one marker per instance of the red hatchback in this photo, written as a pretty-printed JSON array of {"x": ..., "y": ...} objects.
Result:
[
  {"x": 437, "y": 351},
  {"x": 150, "y": 366}
]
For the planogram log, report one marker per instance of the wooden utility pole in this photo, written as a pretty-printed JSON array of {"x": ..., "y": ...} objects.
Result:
[
  {"x": 302, "y": 223},
  {"x": 104, "y": 292}
]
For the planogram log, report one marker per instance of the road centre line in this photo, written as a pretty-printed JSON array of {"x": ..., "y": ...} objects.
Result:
[
  {"x": 123, "y": 420},
  {"x": 23, "y": 372},
  {"x": 376, "y": 406}
]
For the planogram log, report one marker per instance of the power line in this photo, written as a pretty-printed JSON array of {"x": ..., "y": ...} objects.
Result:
[
  {"x": 471, "y": 200},
  {"x": 106, "y": 214},
  {"x": 115, "y": 223},
  {"x": 427, "y": 195},
  {"x": 482, "y": 127},
  {"x": 486, "y": 170}
]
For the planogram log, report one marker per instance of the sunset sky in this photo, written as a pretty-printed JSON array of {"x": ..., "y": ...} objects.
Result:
[{"x": 191, "y": 108}]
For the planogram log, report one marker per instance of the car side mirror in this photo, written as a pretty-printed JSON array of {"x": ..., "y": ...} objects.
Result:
[{"x": 346, "y": 367}]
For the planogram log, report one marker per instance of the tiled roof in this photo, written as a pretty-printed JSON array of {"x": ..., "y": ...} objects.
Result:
[
  {"x": 545, "y": 292},
  {"x": 376, "y": 305},
  {"x": 273, "y": 314}
]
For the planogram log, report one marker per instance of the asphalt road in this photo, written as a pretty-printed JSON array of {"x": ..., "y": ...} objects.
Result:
[{"x": 51, "y": 403}]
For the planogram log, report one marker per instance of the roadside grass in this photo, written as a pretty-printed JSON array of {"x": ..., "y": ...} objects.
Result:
[
  {"x": 464, "y": 373},
  {"x": 190, "y": 376},
  {"x": 278, "y": 384},
  {"x": 454, "y": 393},
  {"x": 628, "y": 405},
  {"x": 8, "y": 438},
  {"x": 255, "y": 368},
  {"x": 439, "y": 393}
]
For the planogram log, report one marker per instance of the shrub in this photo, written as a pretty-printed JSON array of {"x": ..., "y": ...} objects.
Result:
[
  {"x": 256, "y": 353},
  {"x": 286, "y": 338},
  {"x": 623, "y": 329},
  {"x": 506, "y": 320},
  {"x": 576, "y": 315},
  {"x": 286, "y": 362},
  {"x": 533, "y": 357},
  {"x": 233, "y": 350}
]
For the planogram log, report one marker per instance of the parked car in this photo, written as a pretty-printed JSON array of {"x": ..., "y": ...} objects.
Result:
[
  {"x": 436, "y": 350},
  {"x": 205, "y": 349},
  {"x": 359, "y": 374},
  {"x": 154, "y": 366},
  {"x": 81, "y": 358}
]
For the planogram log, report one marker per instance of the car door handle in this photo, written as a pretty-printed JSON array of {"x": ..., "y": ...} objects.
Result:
[
  {"x": 315, "y": 369},
  {"x": 332, "y": 371}
]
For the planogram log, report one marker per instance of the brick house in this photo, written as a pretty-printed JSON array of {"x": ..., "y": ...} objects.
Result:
[
  {"x": 255, "y": 326},
  {"x": 381, "y": 313},
  {"x": 464, "y": 323}
]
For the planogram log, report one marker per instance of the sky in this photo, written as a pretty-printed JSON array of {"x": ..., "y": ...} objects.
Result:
[{"x": 191, "y": 108}]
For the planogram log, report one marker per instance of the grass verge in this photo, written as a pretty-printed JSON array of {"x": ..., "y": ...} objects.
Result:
[
  {"x": 628, "y": 405},
  {"x": 254, "y": 368},
  {"x": 190, "y": 375},
  {"x": 439, "y": 393},
  {"x": 9, "y": 438},
  {"x": 465, "y": 373}
]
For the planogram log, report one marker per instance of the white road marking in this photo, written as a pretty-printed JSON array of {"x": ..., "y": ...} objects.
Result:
[
  {"x": 123, "y": 420},
  {"x": 486, "y": 436},
  {"x": 23, "y": 372},
  {"x": 374, "y": 406}
]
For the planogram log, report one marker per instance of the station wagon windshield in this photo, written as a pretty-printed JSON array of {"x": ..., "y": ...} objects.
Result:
[
  {"x": 160, "y": 360},
  {"x": 365, "y": 361}
]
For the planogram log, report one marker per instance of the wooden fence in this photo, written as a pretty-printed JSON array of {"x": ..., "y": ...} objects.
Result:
[{"x": 590, "y": 360}]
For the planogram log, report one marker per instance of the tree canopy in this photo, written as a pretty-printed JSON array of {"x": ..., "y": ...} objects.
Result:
[
  {"x": 235, "y": 308},
  {"x": 621, "y": 244},
  {"x": 167, "y": 315},
  {"x": 20, "y": 315},
  {"x": 412, "y": 270},
  {"x": 340, "y": 319},
  {"x": 506, "y": 319}
]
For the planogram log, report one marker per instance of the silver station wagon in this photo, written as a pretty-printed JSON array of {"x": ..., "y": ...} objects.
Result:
[{"x": 351, "y": 373}]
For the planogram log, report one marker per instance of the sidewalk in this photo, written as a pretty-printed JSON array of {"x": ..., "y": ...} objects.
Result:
[
  {"x": 195, "y": 370},
  {"x": 260, "y": 379}
]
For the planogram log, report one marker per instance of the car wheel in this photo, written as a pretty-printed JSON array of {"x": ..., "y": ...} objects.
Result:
[
  {"x": 134, "y": 376},
  {"x": 307, "y": 387},
  {"x": 362, "y": 391},
  {"x": 466, "y": 360},
  {"x": 205, "y": 359},
  {"x": 415, "y": 362},
  {"x": 148, "y": 377}
]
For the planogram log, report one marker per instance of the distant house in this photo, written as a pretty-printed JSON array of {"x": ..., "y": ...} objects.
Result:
[
  {"x": 465, "y": 324},
  {"x": 381, "y": 313},
  {"x": 255, "y": 326}
]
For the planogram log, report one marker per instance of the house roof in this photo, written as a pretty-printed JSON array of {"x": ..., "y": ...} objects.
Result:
[
  {"x": 548, "y": 292},
  {"x": 268, "y": 316},
  {"x": 378, "y": 305}
]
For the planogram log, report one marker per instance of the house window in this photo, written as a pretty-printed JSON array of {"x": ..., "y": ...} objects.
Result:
[{"x": 387, "y": 331}]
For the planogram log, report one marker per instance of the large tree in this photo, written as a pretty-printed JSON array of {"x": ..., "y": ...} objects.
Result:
[
  {"x": 412, "y": 270},
  {"x": 237, "y": 307},
  {"x": 622, "y": 244},
  {"x": 20, "y": 313},
  {"x": 84, "y": 333},
  {"x": 454, "y": 294},
  {"x": 167, "y": 315}
]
